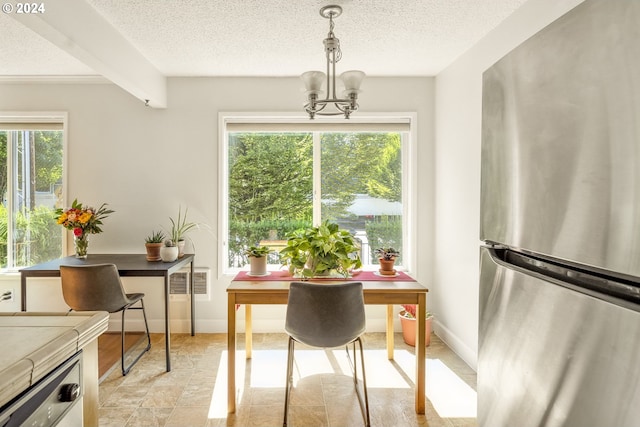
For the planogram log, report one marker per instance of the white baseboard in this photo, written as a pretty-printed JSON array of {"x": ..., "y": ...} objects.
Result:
[{"x": 467, "y": 354}]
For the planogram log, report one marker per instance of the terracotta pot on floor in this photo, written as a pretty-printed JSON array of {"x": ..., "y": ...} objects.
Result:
[{"x": 409, "y": 330}]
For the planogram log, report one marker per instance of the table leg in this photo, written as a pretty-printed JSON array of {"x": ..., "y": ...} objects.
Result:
[
  {"x": 193, "y": 302},
  {"x": 231, "y": 353},
  {"x": 421, "y": 353},
  {"x": 23, "y": 290},
  {"x": 248, "y": 332},
  {"x": 390, "y": 343},
  {"x": 167, "y": 332}
]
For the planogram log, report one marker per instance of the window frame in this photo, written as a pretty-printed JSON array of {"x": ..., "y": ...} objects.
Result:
[
  {"x": 34, "y": 117},
  {"x": 409, "y": 171}
]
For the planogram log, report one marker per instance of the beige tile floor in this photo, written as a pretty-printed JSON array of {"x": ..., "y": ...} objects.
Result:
[{"x": 194, "y": 392}]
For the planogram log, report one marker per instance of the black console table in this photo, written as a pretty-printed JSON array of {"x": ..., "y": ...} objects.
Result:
[{"x": 129, "y": 265}]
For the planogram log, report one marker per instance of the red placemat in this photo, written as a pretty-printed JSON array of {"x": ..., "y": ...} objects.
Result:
[{"x": 283, "y": 275}]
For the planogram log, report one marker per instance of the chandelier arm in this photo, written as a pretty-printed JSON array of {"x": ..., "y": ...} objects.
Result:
[
  {"x": 342, "y": 107},
  {"x": 334, "y": 113},
  {"x": 322, "y": 106},
  {"x": 315, "y": 107},
  {"x": 336, "y": 101}
]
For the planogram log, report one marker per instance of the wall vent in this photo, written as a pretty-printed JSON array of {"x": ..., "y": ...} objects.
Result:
[{"x": 179, "y": 282}]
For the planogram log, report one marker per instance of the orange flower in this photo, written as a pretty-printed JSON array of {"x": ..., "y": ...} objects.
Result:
[
  {"x": 62, "y": 218},
  {"x": 85, "y": 217}
]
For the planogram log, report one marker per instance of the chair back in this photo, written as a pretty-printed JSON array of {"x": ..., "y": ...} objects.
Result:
[
  {"x": 93, "y": 287},
  {"x": 325, "y": 315}
]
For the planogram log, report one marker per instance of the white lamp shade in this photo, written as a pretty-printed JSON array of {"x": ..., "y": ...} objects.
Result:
[
  {"x": 352, "y": 80},
  {"x": 313, "y": 81}
]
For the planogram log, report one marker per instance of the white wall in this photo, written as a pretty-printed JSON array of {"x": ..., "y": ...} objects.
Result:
[
  {"x": 146, "y": 162},
  {"x": 454, "y": 294}
]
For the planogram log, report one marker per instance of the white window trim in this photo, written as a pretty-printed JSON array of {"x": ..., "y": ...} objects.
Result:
[
  {"x": 409, "y": 164},
  {"x": 43, "y": 117}
]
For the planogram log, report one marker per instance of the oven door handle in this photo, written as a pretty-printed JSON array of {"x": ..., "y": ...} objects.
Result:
[{"x": 54, "y": 384}]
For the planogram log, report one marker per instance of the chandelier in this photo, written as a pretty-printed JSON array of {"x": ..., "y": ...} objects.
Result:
[{"x": 313, "y": 79}]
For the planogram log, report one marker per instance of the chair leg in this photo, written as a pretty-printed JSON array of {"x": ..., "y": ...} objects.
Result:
[
  {"x": 122, "y": 338},
  {"x": 364, "y": 382},
  {"x": 289, "y": 383},
  {"x": 146, "y": 325},
  {"x": 126, "y": 369},
  {"x": 364, "y": 406}
]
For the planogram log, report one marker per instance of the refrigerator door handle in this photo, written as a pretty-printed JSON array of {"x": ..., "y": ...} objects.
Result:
[
  {"x": 550, "y": 356},
  {"x": 619, "y": 291}
]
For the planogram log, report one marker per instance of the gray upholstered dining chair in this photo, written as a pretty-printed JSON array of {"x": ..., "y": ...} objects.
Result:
[
  {"x": 98, "y": 288},
  {"x": 325, "y": 316}
]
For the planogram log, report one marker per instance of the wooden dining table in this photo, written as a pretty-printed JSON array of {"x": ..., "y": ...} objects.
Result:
[{"x": 378, "y": 290}]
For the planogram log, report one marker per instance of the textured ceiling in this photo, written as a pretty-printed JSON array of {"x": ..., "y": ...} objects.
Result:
[{"x": 270, "y": 37}]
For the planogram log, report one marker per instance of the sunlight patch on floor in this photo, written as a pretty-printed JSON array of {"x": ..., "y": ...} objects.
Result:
[
  {"x": 218, "y": 405},
  {"x": 381, "y": 372},
  {"x": 449, "y": 394},
  {"x": 268, "y": 367}
]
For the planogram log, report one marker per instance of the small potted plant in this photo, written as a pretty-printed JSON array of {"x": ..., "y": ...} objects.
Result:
[
  {"x": 321, "y": 251},
  {"x": 408, "y": 322},
  {"x": 169, "y": 252},
  {"x": 153, "y": 243},
  {"x": 179, "y": 228},
  {"x": 387, "y": 258},
  {"x": 257, "y": 260}
]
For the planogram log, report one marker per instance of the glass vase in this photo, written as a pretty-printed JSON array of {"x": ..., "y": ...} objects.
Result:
[{"x": 81, "y": 244}]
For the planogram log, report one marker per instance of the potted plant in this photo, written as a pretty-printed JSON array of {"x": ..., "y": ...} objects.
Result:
[
  {"x": 169, "y": 252},
  {"x": 408, "y": 322},
  {"x": 179, "y": 228},
  {"x": 153, "y": 243},
  {"x": 387, "y": 258},
  {"x": 257, "y": 260},
  {"x": 321, "y": 251}
]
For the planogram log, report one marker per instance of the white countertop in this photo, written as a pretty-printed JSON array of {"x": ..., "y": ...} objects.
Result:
[{"x": 33, "y": 344}]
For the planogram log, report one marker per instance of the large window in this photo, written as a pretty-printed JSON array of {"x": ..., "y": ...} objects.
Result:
[
  {"x": 31, "y": 166},
  {"x": 282, "y": 177}
]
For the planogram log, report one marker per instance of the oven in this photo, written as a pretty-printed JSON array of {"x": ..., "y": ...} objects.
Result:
[{"x": 55, "y": 400}]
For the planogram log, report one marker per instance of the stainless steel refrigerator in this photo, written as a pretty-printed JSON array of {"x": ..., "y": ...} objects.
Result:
[{"x": 559, "y": 327}]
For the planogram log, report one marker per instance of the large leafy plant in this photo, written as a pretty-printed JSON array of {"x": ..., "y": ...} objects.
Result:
[{"x": 320, "y": 251}]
